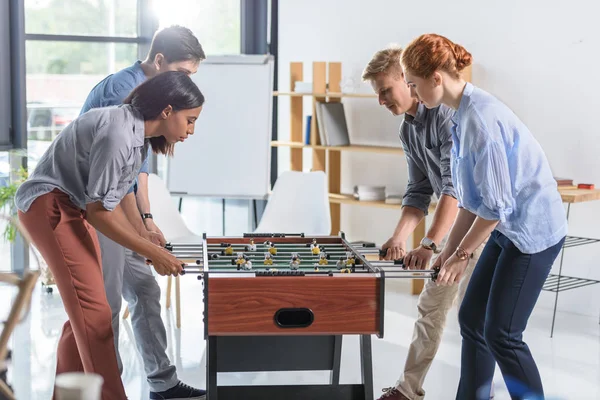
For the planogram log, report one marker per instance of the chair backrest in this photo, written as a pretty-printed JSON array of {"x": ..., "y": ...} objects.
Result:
[
  {"x": 164, "y": 209},
  {"x": 299, "y": 203}
]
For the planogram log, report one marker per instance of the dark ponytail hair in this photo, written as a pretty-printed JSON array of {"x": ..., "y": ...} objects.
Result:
[{"x": 172, "y": 88}]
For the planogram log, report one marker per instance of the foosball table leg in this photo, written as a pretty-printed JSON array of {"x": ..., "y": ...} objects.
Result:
[
  {"x": 337, "y": 361},
  {"x": 211, "y": 370},
  {"x": 178, "y": 302},
  {"x": 366, "y": 365}
]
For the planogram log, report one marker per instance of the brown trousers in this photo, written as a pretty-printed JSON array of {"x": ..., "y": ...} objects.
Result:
[{"x": 69, "y": 245}]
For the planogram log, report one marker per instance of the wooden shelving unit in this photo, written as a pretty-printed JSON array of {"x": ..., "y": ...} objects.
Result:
[{"x": 326, "y": 88}]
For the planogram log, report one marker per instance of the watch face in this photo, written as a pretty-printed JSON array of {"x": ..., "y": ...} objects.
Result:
[{"x": 427, "y": 243}]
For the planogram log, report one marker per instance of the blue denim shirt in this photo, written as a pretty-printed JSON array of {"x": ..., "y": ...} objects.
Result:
[
  {"x": 112, "y": 90},
  {"x": 500, "y": 172}
]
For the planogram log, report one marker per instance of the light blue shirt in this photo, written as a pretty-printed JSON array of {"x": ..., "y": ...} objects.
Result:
[
  {"x": 112, "y": 90},
  {"x": 500, "y": 172}
]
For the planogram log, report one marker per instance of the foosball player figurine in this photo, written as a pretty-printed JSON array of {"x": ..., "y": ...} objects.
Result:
[
  {"x": 295, "y": 263},
  {"x": 240, "y": 258},
  {"x": 350, "y": 259},
  {"x": 323, "y": 259},
  {"x": 272, "y": 249},
  {"x": 340, "y": 263},
  {"x": 314, "y": 247},
  {"x": 228, "y": 249},
  {"x": 251, "y": 246},
  {"x": 247, "y": 265},
  {"x": 268, "y": 259},
  {"x": 316, "y": 267}
]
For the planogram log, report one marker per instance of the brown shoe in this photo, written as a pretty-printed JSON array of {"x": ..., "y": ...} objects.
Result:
[{"x": 392, "y": 393}]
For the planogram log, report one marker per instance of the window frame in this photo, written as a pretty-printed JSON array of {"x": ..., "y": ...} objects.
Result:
[{"x": 147, "y": 24}]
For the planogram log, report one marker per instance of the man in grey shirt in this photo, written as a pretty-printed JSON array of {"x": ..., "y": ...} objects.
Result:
[{"x": 427, "y": 142}]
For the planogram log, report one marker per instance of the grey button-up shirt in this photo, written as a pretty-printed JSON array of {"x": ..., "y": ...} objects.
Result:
[
  {"x": 95, "y": 158},
  {"x": 427, "y": 142}
]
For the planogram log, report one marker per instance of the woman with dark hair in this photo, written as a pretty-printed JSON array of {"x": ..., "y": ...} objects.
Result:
[{"x": 77, "y": 187}]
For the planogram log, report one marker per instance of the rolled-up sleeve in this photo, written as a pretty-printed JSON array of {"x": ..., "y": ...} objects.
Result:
[
  {"x": 492, "y": 178},
  {"x": 445, "y": 134},
  {"x": 419, "y": 189},
  {"x": 108, "y": 156}
]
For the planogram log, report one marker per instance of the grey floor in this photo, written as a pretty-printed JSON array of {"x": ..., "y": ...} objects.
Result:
[{"x": 569, "y": 362}]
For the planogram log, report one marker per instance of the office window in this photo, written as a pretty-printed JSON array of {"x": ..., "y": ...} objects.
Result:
[
  {"x": 215, "y": 23},
  {"x": 59, "y": 77},
  {"x": 63, "y": 66},
  {"x": 81, "y": 17}
]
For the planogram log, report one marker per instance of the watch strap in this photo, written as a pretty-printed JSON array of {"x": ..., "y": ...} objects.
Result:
[{"x": 462, "y": 253}]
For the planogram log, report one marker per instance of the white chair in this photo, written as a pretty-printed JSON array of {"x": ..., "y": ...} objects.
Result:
[
  {"x": 171, "y": 223},
  {"x": 299, "y": 203}
]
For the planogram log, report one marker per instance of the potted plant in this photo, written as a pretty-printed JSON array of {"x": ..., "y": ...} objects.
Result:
[
  {"x": 8, "y": 207},
  {"x": 7, "y": 203}
]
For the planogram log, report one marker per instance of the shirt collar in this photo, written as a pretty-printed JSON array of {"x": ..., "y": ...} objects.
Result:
[
  {"x": 464, "y": 103},
  {"x": 420, "y": 116},
  {"x": 139, "y": 71},
  {"x": 138, "y": 127}
]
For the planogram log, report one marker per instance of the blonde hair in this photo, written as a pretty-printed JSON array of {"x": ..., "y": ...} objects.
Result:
[{"x": 385, "y": 61}]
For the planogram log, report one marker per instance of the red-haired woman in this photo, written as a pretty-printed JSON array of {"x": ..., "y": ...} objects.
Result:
[{"x": 506, "y": 192}]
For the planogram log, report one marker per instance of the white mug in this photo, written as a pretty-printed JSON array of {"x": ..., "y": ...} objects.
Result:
[{"x": 78, "y": 386}]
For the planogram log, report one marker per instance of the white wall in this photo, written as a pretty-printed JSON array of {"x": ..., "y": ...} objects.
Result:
[{"x": 538, "y": 56}]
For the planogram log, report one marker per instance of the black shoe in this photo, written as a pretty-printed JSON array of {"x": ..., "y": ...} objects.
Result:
[{"x": 181, "y": 391}]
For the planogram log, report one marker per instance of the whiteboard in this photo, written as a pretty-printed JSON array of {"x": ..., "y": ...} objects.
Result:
[{"x": 229, "y": 155}]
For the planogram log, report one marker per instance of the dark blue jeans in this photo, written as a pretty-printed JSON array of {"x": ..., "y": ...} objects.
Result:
[{"x": 500, "y": 297}]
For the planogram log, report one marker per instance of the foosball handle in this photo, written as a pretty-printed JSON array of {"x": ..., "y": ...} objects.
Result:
[
  {"x": 149, "y": 262},
  {"x": 435, "y": 273},
  {"x": 383, "y": 252}
]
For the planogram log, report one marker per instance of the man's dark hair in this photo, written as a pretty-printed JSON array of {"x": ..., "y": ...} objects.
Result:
[
  {"x": 176, "y": 43},
  {"x": 172, "y": 88}
]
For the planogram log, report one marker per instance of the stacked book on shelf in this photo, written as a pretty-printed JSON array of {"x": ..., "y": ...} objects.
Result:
[
  {"x": 331, "y": 122},
  {"x": 568, "y": 184}
]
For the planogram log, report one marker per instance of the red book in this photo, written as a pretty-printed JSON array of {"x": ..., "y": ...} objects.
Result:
[{"x": 585, "y": 186}]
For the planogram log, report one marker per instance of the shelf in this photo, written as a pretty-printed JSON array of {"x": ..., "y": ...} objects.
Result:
[
  {"x": 355, "y": 148},
  {"x": 579, "y": 195},
  {"x": 574, "y": 241},
  {"x": 349, "y": 199},
  {"x": 566, "y": 283},
  {"x": 339, "y": 198},
  {"x": 329, "y": 94}
]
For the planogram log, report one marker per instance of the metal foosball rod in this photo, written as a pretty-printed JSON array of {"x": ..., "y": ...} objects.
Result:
[{"x": 397, "y": 269}]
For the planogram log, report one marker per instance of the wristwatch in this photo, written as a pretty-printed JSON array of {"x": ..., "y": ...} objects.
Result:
[
  {"x": 462, "y": 253},
  {"x": 428, "y": 244},
  {"x": 148, "y": 215}
]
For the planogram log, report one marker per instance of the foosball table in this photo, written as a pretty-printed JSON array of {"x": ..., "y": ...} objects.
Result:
[{"x": 282, "y": 302}]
